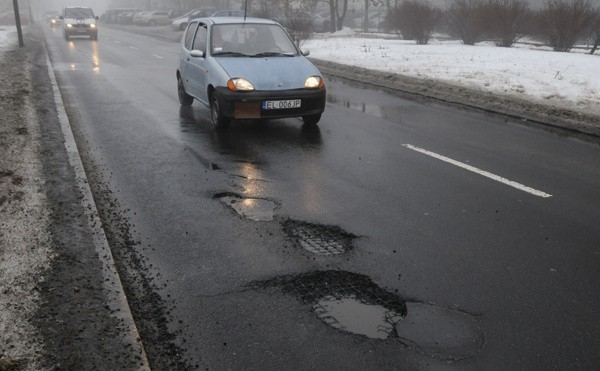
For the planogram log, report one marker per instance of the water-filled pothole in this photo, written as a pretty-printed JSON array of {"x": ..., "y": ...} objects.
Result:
[
  {"x": 319, "y": 239},
  {"x": 352, "y": 303},
  {"x": 256, "y": 209},
  {"x": 348, "y": 301},
  {"x": 352, "y": 315}
]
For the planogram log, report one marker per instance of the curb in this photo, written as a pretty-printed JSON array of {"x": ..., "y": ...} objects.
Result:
[{"x": 113, "y": 287}]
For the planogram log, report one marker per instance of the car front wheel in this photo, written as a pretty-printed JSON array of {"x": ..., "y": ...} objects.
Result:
[
  {"x": 184, "y": 98},
  {"x": 311, "y": 119},
  {"x": 219, "y": 121}
]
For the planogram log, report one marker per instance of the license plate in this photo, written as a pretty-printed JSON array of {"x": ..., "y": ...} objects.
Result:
[{"x": 281, "y": 104}]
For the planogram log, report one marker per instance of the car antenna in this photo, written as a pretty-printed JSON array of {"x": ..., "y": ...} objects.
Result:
[{"x": 245, "y": 9}]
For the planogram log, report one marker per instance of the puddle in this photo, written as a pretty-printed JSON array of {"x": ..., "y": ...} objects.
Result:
[
  {"x": 367, "y": 108},
  {"x": 351, "y": 315},
  {"x": 256, "y": 209},
  {"x": 319, "y": 239}
]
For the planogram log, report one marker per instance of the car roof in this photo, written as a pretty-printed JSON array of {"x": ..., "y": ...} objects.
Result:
[{"x": 234, "y": 20}]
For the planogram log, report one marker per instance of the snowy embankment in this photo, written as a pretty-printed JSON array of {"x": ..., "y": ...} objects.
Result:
[{"x": 564, "y": 80}]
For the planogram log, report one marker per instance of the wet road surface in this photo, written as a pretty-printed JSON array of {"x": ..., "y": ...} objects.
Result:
[{"x": 397, "y": 234}]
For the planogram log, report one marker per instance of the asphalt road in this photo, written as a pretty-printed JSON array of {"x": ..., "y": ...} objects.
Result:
[{"x": 475, "y": 236}]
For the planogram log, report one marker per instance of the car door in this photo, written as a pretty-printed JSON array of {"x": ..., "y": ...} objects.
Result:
[
  {"x": 184, "y": 56},
  {"x": 197, "y": 68}
]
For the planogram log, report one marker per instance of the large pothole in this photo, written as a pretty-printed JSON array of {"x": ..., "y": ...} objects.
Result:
[
  {"x": 352, "y": 303},
  {"x": 319, "y": 239},
  {"x": 348, "y": 301}
]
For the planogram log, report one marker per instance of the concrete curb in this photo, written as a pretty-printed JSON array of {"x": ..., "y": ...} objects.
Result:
[
  {"x": 549, "y": 116},
  {"x": 112, "y": 283}
]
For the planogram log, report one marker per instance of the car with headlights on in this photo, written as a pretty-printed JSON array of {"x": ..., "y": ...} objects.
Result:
[
  {"x": 247, "y": 68},
  {"x": 79, "y": 21}
]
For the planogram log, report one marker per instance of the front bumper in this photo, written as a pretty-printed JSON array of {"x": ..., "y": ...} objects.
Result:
[
  {"x": 248, "y": 105},
  {"x": 81, "y": 31}
]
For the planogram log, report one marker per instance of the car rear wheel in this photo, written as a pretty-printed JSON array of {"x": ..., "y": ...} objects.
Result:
[
  {"x": 184, "y": 98},
  {"x": 311, "y": 119},
  {"x": 219, "y": 121}
]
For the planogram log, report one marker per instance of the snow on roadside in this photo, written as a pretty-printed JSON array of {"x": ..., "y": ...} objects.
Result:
[
  {"x": 566, "y": 80},
  {"x": 8, "y": 37}
]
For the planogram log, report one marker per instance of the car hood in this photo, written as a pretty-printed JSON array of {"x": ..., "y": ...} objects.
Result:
[{"x": 273, "y": 73}]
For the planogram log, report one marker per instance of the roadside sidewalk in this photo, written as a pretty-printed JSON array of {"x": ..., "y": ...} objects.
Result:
[{"x": 56, "y": 311}]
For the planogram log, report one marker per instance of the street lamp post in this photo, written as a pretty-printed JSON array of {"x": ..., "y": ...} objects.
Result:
[{"x": 18, "y": 23}]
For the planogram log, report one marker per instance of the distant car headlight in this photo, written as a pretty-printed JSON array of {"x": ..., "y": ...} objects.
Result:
[
  {"x": 314, "y": 82},
  {"x": 240, "y": 84},
  {"x": 53, "y": 21},
  {"x": 69, "y": 25},
  {"x": 93, "y": 25}
]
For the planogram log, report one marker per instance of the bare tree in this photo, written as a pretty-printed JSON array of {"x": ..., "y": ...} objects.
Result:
[
  {"x": 562, "y": 22},
  {"x": 506, "y": 20},
  {"x": 465, "y": 20},
  {"x": 337, "y": 11},
  {"x": 415, "y": 20},
  {"x": 596, "y": 32}
]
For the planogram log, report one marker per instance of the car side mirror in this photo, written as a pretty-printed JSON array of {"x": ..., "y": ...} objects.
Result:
[
  {"x": 61, "y": 17},
  {"x": 197, "y": 54},
  {"x": 306, "y": 52},
  {"x": 97, "y": 18}
]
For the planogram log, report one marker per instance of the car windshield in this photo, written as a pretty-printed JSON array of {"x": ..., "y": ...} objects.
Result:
[
  {"x": 251, "y": 39},
  {"x": 79, "y": 13}
]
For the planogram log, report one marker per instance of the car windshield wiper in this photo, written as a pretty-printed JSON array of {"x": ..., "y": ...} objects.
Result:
[
  {"x": 230, "y": 54},
  {"x": 273, "y": 54}
]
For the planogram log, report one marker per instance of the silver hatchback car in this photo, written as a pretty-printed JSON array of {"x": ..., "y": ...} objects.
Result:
[{"x": 247, "y": 68}]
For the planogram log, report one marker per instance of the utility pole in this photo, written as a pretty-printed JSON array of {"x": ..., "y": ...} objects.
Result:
[{"x": 18, "y": 23}]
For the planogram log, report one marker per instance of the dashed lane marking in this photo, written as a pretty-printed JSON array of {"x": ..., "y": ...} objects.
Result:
[{"x": 484, "y": 173}]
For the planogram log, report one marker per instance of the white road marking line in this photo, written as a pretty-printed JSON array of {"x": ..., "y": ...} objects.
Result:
[
  {"x": 497, "y": 178},
  {"x": 118, "y": 42},
  {"x": 133, "y": 47},
  {"x": 157, "y": 56}
]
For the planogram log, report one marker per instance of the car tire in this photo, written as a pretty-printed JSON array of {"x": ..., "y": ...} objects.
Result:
[
  {"x": 311, "y": 120},
  {"x": 184, "y": 98},
  {"x": 219, "y": 121},
  {"x": 94, "y": 37}
]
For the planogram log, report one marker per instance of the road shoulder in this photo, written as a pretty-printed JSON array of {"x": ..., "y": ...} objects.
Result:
[{"x": 57, "y": 305}]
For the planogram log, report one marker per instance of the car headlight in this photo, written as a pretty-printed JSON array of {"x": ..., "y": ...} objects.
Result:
[
  {"x": 314, "y": 82},
  {"x": 93, "y": 25},
  {"x": 69, "y": 25},
  {"x": 53, "y": 21},
  {"x": 240, "y": 84}
]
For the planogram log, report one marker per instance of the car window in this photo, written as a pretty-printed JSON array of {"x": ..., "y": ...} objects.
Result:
[
  {"x": 79, "y": 13},
  {"x": 200, "y": 39},
  {"x": 250, "y": 39},
  {"x": 189, "y": 35}
]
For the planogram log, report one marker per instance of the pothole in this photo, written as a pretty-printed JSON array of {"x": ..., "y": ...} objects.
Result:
[
  {"x": 319, "y": 239},
  {"x": 347, "y": 301},
  {"x": 256, "y": 209},
  {"x": 352, "y": 303}
]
